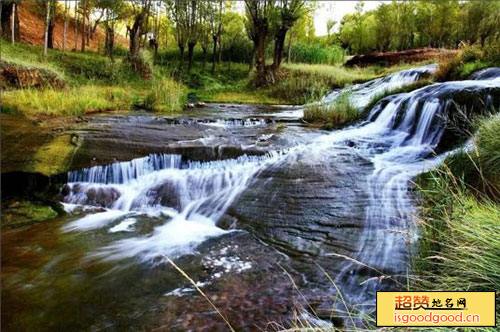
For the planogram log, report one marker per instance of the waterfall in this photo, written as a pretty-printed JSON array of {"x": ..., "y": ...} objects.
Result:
[
  {"x": 361, "y": 94},
  {"x": 193, "y": 195},
  {"x": 399, "y": 138}
]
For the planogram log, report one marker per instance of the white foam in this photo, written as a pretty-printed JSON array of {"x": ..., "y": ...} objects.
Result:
[{"x": 124, "y": 226}]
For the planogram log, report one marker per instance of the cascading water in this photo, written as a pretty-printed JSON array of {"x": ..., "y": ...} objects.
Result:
[
  {"x": 399, "y": 138},
  {"x": 193, "y": 195},
  {"x": 360, "y": 95}
]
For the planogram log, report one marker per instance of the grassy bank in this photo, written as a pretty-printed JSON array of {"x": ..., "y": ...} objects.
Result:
[
  {"x": 459, "y": 246},
  {"x": 93, "y": 84}
]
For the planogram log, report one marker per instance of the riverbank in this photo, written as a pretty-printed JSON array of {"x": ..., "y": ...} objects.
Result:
[
  {"x": 459, "y": 246},
  {"x": 92, "y": 83}
]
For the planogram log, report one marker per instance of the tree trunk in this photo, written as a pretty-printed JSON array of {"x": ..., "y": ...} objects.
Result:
[
  {"x": 47, "y": 21},
  {"x": 260, "y": 56},
  {"x": 6, "y": 14},
  {"x": 190, "y": 55},
  {"x": 76, "y": 28},
  {"x": 17, "y": 31},
  {"x": 289, "y": 55},
  {"x": 251, "y": 62},
  {"x": 135, "y": 37},
  {"x": 88, "y": 30},
  {"x": 219, "y": 58},
  {"x": 214, "y": 54},
  {"x": 279, "y": 45},
  {"x": 13, "y": 24},
  {"x": 50, "y": 42},
  {"x": 204, "y": 63},
  {"x": 181, "y": 59},
  {"x": 83, "y": 32},
  {"x": 65, "y": 27}
]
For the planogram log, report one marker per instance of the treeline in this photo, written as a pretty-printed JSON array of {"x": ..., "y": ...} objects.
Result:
[{"x": 401, "y": 25}]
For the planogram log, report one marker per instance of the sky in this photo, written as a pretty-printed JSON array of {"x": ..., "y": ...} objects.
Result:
[{"x": 336, "y": 10}]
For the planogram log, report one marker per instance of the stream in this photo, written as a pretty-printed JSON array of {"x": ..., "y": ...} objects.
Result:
[{"x": 270, "y": 231}]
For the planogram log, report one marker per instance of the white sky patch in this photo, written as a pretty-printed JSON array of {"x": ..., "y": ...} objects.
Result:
[{"x": 336, "y": 10}]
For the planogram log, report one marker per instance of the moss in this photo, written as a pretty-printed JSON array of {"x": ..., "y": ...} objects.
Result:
[
  {"x": 55, "y": 156},
  {"x": 20, "y": 213}
]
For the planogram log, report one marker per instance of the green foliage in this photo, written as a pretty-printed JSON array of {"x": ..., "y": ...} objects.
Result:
[
  {"x": 315, "y": 53},
  {"x": 334, "y": 115},
  {"x": 401, "y": 25},
  {"x": 166, "y": 95},
  {"x": 468, "y": 60}
]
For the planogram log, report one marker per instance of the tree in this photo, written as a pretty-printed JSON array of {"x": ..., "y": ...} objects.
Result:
[
  {"x": 180, "y": 15},
  {"x": 215, "y": 10},
  {"x": 113, "y": 10},
  {"x": 10, "y": 19},
  {"x": 47, "y": 22},
  {"x": 140, "y": 13},
  {"x": 65, "y": 27},
  {"x": 258, "y": 12},
  {"x": 289, "y": 11},
  {"x": 193, "y": 30},
  {"x": 52, "y": 23}
]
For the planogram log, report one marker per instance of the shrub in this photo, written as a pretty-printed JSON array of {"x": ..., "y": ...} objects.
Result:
[{"x": 468, "y": 60}]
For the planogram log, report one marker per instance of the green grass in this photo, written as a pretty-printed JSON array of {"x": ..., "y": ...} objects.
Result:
[
  {"x": 459, "y": 246},
  {"x": 95, "y": 84},
  {"x": 72, "y": 101},
  {"x": 334, "y": 115}
]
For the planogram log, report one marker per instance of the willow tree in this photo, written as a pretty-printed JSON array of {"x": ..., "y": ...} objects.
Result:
[
  {"x": 258, "y": 13},
  {"x": 179, "y": 11},
  {"x": 113, "y": 11},
  {"x": 288, "y": 12},
  {"x": 140, "y": 15}
]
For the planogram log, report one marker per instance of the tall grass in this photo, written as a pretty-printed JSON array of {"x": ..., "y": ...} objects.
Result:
[
  {"x": 459, "y": 246},
  {"x": 334, "y": 115},
  {"x": 72, "y": 101},
  {"x": 314, "y": 53}
]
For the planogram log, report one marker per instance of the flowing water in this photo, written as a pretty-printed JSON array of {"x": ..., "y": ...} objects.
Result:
[{"x": 126, "y": 217}]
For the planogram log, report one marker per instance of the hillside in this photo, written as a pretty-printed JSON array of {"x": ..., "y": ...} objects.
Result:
[{"x": 31, "y": 26}]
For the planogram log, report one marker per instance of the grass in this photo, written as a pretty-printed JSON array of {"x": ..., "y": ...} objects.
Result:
[
  {"x": 330, "y": 116},
  {"x": 468, "y": 60},
  {"x": 95, "y": 84},
  {"x": 72, "y": 101},
  {"x": 459, "y": 246}
]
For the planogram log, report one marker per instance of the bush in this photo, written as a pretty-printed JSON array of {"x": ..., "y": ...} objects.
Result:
[
  {"x": 468, "y": 60},
  {"x": 313, "y": 53}
]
